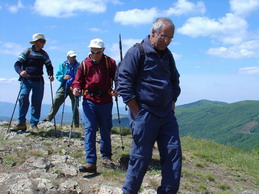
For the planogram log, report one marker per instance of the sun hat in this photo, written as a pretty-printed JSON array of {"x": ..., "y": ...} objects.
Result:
[
  {"x": 36, "y": 37},
  {"x": 96, "y": 43},
  {"x": 71, "y": 54}
]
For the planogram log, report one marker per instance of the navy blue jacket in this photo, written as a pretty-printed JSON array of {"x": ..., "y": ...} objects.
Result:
[
  {"x": 32, "y": 61},
  {"x": 154, "y": 84}
]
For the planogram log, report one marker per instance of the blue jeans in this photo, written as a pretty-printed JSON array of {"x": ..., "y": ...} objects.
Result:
[
  {"x": 97, "y": 115},
  {"x": 37, "y": 89},
  {"x": 146, "y": 130}
]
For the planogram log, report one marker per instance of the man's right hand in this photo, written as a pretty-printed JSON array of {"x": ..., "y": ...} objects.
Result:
[
  {"x": 66, "y": 77},
  {"x": 76, "y": 92},
  {"x": 133, "y": 106},
  {"x": 23, "y": 74}
]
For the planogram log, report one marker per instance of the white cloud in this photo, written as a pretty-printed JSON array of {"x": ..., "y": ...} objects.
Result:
[
  {"x": 244, "y": 7},
  {"x": 8, "y": 80},
  {"x": 136, "y": 16},
  {"x": 68, "y": 8},
  {"x": 176, "y": 56},
  {"x": 230, "y": 29},
  {"x": 116, "y": 2},
  {"x": 96, "y": 30},
  {"x": 146, "y": 16},
  {"x": 247, "y": 49},
  {"x": 11, "y": 48},
  {"x": 249, "y": 70},
  {"x": 183, "y": 7},
  {"x": 15, "y": 8}
]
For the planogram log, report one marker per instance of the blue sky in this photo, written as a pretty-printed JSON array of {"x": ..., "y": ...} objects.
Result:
[{"x": 216, "y": 43}]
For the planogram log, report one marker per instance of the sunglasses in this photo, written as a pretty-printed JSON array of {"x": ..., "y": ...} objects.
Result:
[
  {"x": 42, "y": 41},
  {"x": 96, "y": 52}
]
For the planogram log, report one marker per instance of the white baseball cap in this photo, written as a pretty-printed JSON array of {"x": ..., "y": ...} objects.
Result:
[
  {"x": 71, "y": 54},
  {"x": 96, "y": 43},
  {"x": 36, "y": 37}
]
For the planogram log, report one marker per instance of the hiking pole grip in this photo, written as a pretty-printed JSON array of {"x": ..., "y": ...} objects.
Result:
[{"x": 120, "y": 45}]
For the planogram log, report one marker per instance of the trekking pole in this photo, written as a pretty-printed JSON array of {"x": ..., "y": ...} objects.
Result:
[
  {"x": 8, "y": 130},
  {"x": 116, "y": 99},
  {"x": 72, "y": 125},
  {"x": 51, "y": 91},
  {"x": 63, "y": 108}
]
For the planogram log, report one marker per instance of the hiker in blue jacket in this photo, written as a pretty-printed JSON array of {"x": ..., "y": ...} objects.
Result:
[
  {"x": 65, "y": 75},
  {"x": 150, "y": 89},
  {"x": 30, "y": 68}
]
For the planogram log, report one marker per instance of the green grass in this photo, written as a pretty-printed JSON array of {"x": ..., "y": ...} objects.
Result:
[
  {"x": 36, "y": 154},
  {"x": 13, "y": 160},
  {"x": 113, "y": 174},
  {"x": 234, "y": 159},
  {"x": 121, "y": 131}
]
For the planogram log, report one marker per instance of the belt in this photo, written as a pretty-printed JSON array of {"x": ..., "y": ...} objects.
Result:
[{"x": 98, "y": 93}]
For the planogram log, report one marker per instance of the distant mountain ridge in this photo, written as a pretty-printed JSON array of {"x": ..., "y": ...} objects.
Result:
[
  {"x": 235, "y": 124},
  {"x": 201, "y": 103},
  {"x": 6, "y": 110}
]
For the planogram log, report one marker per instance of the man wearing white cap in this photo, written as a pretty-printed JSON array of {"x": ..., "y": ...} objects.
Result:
[
  {"x": 30, "y": 68},
  {"x": 94, "y": 81},
  {"x": 66, "y": 75}
]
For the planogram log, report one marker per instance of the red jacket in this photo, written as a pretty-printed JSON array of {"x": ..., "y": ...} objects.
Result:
[{"x": 96, "y": 79}]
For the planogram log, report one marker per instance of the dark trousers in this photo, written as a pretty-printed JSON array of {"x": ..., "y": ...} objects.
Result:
[{"x": 146, "y": 130}]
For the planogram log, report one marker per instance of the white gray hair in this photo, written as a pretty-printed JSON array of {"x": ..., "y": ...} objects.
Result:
[{"x": 158, "y": 23}]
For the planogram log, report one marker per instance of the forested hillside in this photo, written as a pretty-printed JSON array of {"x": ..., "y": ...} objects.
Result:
[{"x": 234, "y": 124}]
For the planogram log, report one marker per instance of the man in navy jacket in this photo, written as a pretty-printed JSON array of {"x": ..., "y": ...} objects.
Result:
[{"x": 150, "y": 89}]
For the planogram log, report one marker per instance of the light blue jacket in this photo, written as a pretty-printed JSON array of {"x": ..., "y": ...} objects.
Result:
[{"x": 66, "y": 69}]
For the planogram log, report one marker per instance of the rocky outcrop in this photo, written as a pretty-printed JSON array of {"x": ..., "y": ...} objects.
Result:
[{"x": 46, "y": 161}]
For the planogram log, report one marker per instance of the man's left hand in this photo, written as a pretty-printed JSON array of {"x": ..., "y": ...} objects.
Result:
[
  {"x": 113, "y": 93},
  {"x": 51, "y": 78}
]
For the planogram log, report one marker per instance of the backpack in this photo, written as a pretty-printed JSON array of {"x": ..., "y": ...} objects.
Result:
[
  {"x": 28, "y": 54},
  {"x": 108, "y": 65}
]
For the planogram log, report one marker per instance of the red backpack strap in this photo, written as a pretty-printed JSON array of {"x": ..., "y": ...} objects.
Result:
[
  {"x": 84, "y": 68},
  {"x": 107, "y": 62},
  {"x": 108, "y": 65}
]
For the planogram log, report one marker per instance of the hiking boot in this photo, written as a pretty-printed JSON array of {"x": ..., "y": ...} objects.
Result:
[
  {"x": 46, "y": 120},
  {"x": 89, "y": 167},
  {"x": 34, "y": 128},
  {"x": 108, "y": 163},
  {"x": 20, "y": 126}
]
